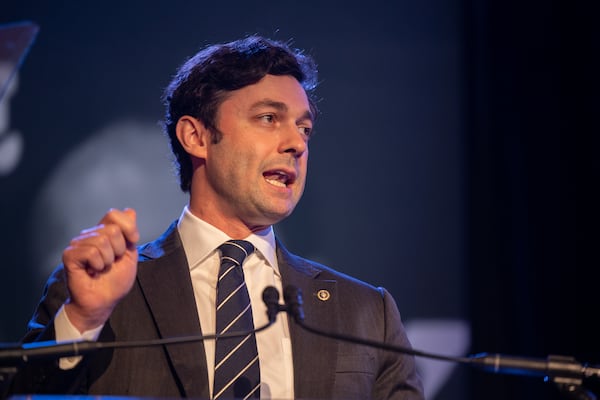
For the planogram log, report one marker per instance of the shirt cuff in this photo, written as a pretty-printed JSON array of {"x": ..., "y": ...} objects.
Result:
[{"x": 66, "y": 332}]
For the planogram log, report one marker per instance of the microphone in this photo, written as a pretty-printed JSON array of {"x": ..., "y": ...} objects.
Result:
[
  {"x": 293, "y": 300},
  {"x": 553, "y": 365},
  {"x": 271, "y": 298}
]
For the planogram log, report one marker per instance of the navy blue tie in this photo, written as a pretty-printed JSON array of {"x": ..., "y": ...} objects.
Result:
[{"x": 237, "y": 372}]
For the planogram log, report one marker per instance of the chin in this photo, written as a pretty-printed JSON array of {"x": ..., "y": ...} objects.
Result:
[{"x": 272, "y": 217}]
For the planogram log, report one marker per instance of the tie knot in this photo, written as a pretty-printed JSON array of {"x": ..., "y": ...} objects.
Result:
[{"x": 236, "y": 251}]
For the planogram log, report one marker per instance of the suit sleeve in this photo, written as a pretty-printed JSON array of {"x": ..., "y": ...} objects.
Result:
[{"x": 43, "y": 376}]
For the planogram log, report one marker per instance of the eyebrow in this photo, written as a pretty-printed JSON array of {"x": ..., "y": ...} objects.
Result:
[{"x": 281, "y": 107}]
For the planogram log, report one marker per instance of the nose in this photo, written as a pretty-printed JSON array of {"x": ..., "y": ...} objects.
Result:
[{"x": 294, "y": 141}]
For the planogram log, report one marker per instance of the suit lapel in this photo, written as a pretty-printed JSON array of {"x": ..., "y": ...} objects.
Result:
[
  {"x": 164, "y": 266},
  {"x": 165, "y": 281},
  {"x": 321, "y": 312}
]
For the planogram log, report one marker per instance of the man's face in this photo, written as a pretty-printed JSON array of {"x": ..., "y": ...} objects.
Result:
[{"x": 256, "y": 173}]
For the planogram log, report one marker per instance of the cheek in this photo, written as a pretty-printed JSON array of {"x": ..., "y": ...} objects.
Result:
[
  {"x": 303, "y": 162},
  {"x": 242, "y": 162}
]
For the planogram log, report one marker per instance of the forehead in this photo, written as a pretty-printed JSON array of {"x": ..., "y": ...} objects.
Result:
[{"x": 282, "y": 89}]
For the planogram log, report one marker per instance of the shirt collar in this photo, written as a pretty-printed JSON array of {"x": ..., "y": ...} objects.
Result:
[{"x": 200, "y": 240}]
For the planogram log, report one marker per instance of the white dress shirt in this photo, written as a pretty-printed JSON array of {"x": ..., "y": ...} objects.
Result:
[{"x": 200, "y": 242}]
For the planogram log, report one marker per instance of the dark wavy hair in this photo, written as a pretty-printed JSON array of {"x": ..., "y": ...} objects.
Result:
[{"x": 204, "y": 81}]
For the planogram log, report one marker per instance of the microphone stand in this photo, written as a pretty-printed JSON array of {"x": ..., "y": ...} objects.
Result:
[
  {"x": 13, "y": 356},
  {"x": 570, "y": 386},
  {"x": 566, "y": 373}
]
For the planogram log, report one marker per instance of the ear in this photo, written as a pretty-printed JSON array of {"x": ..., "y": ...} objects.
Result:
[{"x": 193, "y": 136}]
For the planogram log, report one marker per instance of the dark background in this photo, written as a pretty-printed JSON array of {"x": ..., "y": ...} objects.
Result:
[{"x": 463, "y": 135}]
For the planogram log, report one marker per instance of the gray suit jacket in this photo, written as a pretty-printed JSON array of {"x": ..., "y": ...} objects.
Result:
[{"x": 161, "y": 305}]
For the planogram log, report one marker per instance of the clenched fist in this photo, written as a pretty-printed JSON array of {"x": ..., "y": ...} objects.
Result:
[{"x": 101, "y": 265}]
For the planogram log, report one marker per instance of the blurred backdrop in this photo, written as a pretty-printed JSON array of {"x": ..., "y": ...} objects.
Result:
[{"x": 459, "y": 133}]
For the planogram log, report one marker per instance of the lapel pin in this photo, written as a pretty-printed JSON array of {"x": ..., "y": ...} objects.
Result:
[{"x": 323, "y": 295}]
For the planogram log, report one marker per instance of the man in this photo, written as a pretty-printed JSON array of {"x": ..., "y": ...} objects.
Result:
[{"x": 239, "y": 117}]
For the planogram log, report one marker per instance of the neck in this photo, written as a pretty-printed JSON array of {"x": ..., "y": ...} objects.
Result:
[{"x": 232, "y": 227}]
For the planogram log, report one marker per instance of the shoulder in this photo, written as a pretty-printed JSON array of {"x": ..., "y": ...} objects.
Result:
[
  {"x": 166, "y": 243},
  {"x": 319, "y": 271}
]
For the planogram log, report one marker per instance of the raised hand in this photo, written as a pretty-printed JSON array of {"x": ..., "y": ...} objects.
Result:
[{"x": 101, "y": 265}]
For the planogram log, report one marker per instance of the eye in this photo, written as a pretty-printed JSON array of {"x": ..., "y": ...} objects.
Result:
[
  {"x": 306, "y": 131},
  {"x": 269, "y": 118}
]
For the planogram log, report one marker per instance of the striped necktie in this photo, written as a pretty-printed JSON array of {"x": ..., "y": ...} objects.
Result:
[{"x": 237, "y": 373}]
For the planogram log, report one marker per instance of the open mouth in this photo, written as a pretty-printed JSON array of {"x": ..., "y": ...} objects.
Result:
[{"x": 279, "y": 178}]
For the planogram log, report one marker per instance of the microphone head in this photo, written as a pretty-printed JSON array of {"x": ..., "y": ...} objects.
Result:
[
  {"x": 293, "y": 300},
  {"x": 271, "y": 298},
  {"x": 270, "y": 295}
]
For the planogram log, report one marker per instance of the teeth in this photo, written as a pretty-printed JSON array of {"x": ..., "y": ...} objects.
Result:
[
  {"x": 276, "y": 183},
  {"x": 277, "y": 178}
]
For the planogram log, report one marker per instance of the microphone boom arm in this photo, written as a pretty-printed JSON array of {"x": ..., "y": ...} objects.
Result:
[{"x": 565, "y": 372}]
